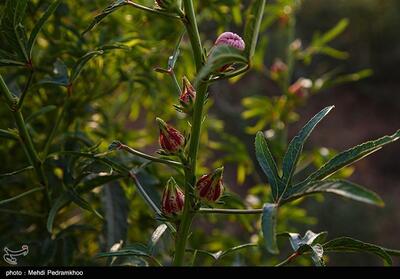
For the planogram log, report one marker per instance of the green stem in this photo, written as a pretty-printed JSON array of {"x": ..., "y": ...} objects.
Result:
[
  {"x": 153, "y": 11},
  {"x": 149, "y": 157},
  {"x": 190, "y": 174},
  {"x": 25, "y": 138},
  {"x": 288, "y": 260},
  {"x": 21, "y": 195},
  {"x": 230, "y": 211},
  {"x": 53, "y": 131},
  {"x": 25, "y": 91}
]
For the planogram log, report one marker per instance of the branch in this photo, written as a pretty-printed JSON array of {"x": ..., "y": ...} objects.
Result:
[
  {"x": 229, "y": 211},
  {"x": 153, "y": 11},
  {"x": 149, "y": 157}
]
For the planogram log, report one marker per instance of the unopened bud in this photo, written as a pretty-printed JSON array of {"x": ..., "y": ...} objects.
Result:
[
  {"x": 171, "y": 140},
  {"x": 173, "y": 199},
  {"x": 210, "y": 187}
]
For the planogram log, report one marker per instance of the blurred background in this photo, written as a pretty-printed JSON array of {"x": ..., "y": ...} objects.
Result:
[{"x": 348, "y": 53}]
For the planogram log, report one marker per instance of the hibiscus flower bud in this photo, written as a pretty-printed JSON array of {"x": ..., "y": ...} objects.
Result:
[
  {"x": 173, "y": 199},
  {"x": 171, "y": 140},
  {"x": 186, "y": 99},
  {"x": 301, "y": 87},
  {"x": 209, "y": 187},
  {"x": 230, "y": 39}
]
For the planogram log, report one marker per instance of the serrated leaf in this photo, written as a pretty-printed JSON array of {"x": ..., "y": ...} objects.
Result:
[
  {"x": 268, "y": 225},
  {"x": 350, "y": 156},
  {"x": 339, "y": 187},
  {"x": 252, "y": 27},
  {"x": 108, "y": 10},
  {"x": 35, "y": 31},
  {"x": 220, "y": 56},
  {"x": 347, "y": 244},
  {"x": 295, "y": 148},
  {"x": 267, "y": 163}
]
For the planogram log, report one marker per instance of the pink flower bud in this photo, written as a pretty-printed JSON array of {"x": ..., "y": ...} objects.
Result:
[
  {"x": 230, "y": 39},
  {"x": 171, "y": 140},
  {"x": 173, "y": 199},
  {"x": 209, "y": 187},
  {"x": 301, "y": 87}
]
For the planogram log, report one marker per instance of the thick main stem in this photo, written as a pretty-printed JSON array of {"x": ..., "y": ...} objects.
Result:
[{"x": 190, "y": 173}]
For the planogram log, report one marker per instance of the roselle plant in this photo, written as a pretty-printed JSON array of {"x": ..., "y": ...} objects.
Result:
[{"x": 188, "y": 192}]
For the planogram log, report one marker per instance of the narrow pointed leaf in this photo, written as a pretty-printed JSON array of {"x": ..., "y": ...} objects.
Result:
[
  {"x": 252, "y": 27},
  {"x": 295, "y": 148},
  {"x": 352, "y": 155},
  {"x": 267, "y": 163},
  {"x": 347, "y": 244},
  {"x": 111, "y": 8},
  {"x": 221, "y": 55},
  {"x": 343, "y": 188},
  {"x": 268, "y": 224},
  {"x": 35, "y": 31}
]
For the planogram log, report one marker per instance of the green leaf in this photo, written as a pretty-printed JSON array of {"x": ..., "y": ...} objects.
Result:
[
  {"x": 268, "y": 224},
  {"x": 8, "y": 134},
  {"x": 12, "y": 33},
  {"x": 220, "y": 56},
  {"x": 116, "y": 210},
  {"x": 40, "y": 112},
  {"x": 267, "y": 163},
  {"x": 309, "y": 238},
  {"x": 85, "y": 187},
  {"x": 156, "y": 236},
  {"x": 347, "y": 244},
  {"x": 252, "y": 27},
  {"x": 174, "y": 57},
  {"x": 32, "y": 38},
  {"x": 130, "y": 251},
  {"x": 82, "y": 203},
  {"x": 334, "y": 32},
  {"x": 60, "y": 75},
  {"x": 21, "y": 195},
  {"x": 350, "y": 156},
  {"x": 295, "y": 148},
  {"x": 339, "y": 187},
  {"x": 108, "y": 10},
  {"x": 76, "y": 70},
  {"x": 233, "y": 250}
]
